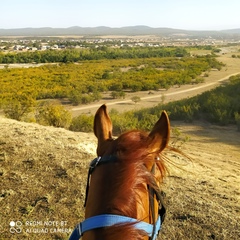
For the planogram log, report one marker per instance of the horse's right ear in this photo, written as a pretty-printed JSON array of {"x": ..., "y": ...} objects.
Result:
[
  {"x": 160, "y": 134},
  {"x": 102, "y": 125}
]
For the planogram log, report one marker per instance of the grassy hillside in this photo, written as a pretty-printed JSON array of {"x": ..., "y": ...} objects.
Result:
[{"x": 43, "y": 173}]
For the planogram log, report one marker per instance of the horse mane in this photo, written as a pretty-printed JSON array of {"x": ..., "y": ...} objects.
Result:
[{"x": 130, "y": 173}]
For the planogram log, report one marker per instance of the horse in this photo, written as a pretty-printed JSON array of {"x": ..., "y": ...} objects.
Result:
[{"x": 123, "y": 196}]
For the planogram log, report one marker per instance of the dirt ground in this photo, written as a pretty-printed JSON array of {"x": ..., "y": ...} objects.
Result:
[
  {"x": 43, "y": 174},
  {"x": 205, "y": 190}
]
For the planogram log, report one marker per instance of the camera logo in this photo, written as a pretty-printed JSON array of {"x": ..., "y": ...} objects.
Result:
[{"x": 15, "y": 227}]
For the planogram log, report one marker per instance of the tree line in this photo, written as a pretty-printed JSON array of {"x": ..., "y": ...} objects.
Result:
[{"x": 75, "y": 55}]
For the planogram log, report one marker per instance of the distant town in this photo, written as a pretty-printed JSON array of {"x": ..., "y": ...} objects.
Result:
[
  {"x": 22, "y": 44},
  {"x": 55, "y": 39}
]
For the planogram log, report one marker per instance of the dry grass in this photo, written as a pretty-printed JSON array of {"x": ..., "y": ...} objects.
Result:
[
  {"x": 43, "y": 173},
  {"x": 203, "y": 199}
]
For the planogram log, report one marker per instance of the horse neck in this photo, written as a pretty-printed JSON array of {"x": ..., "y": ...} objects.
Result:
[
  {"x": 113, "y": 190},
  {"x": 117, "y": 189},
  {"x": 121, "y": 188}
]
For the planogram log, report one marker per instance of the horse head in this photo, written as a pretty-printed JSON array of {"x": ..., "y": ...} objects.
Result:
[{"x": 124, "y": 180}]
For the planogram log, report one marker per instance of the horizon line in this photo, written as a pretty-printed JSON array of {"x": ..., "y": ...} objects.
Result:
[{"x": 18, "y": 28}]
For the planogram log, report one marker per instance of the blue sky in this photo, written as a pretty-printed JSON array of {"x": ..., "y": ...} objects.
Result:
[{"x": 181, "y": 14}]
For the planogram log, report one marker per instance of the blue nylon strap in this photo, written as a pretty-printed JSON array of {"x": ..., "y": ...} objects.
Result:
[
  {"x": 157, "y": 228},
  {"x": 107, "y": 220},
  {"x": 75, "y": 234}
]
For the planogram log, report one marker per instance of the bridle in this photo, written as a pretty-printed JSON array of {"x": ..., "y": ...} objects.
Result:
[{"x": 108, "y": 220}]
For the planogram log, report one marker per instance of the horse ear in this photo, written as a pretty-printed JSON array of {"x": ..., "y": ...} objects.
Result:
[
  {"x": 102, "y": 124},
  {"x": 160, "y": 134}
]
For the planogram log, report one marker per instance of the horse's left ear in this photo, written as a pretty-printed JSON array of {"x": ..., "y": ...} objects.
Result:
[
  {"x": 102, "y": 125},
  {"x": 160, "y": 134}
]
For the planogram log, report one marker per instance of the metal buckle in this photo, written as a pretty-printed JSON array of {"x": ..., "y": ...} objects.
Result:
[
  {"x": 94, "y": 163},
  {"x": 98, "y": 160},
  {"x": 79, "y": 229}
]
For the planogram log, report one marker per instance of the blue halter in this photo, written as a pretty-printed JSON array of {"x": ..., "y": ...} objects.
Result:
[{"x": 108, "y": 220}]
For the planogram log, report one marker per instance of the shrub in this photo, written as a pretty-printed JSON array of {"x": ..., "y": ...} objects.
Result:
[
  {"x": 75, "y": 98},
  {"x": 136, "y": 99},
  {"x": 116, "y": 94},
  {"x": 53, "y": 115},
  {"x": 146, "y": 121},
  {"x": 82, "y": 123},
  {"x": 18, "y": 105},
  {"x": 237, "y": 119},
  {"x": 123, "y": 122}
]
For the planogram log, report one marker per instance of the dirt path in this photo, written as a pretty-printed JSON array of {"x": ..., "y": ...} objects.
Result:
[
  {"x": 24, "y": 65},
  {"x": 181, "y": 93}
]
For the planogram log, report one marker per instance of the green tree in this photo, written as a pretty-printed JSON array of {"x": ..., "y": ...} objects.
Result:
[
  {"x": 122, "y": 122},
  {"x": 136, "y": 99},
  {"x": 116, "y": 94},
  {"x": 116, "y": 87},
  {"x": 75, "y": 98},
  {"x": 137, "y": 86},
  {"x": 237, "y": 119},
  {"x": 19, "y": 105},
  {"x": 96, "y": 96}
]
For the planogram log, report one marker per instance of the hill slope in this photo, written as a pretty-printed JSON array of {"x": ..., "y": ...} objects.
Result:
[
  {"x": 129, "y": 31},
  {"x": 43, "y": 173}
]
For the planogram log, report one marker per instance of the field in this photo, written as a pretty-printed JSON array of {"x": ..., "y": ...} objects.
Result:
[
  {"x": 214, "y": 79},
  {"x": 43, "y": 174}
]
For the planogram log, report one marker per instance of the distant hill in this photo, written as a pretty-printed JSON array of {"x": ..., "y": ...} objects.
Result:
[
  {"x": 129, "y": 31},
  {"x": 232, "y": 31}
]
